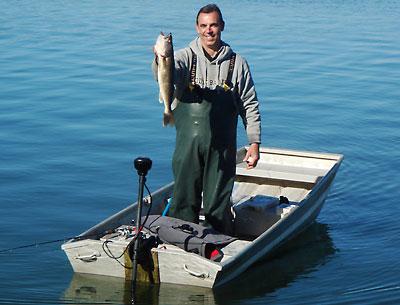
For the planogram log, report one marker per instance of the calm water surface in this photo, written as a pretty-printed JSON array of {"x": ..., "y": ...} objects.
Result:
[{"x": 78, "y": 104}]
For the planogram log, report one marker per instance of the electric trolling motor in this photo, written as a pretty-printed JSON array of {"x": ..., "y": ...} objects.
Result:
[{"x": 142, "y": 165}]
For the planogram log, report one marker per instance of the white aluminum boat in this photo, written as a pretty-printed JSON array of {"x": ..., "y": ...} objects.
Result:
[{"x": 272, "y": 203}]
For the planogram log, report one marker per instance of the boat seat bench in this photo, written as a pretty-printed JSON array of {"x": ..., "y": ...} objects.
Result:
[{"x": 281, "y": 172}]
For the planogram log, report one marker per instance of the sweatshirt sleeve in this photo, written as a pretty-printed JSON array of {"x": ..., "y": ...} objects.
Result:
[
  {"x": 182, "y": 65},
  {"x": 249, "y": 105}
]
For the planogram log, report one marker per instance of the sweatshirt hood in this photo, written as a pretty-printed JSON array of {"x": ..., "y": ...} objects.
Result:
[{"x": 224, "y": 53}]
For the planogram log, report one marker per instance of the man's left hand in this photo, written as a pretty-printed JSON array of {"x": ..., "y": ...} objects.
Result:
[{"x": 252, "y": 155}]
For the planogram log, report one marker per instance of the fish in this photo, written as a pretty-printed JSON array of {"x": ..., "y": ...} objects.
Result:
[{"x": 164, "y": 52}]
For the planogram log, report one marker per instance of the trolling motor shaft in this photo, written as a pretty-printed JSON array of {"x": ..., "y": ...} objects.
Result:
[{"x": 142, "y": 165}]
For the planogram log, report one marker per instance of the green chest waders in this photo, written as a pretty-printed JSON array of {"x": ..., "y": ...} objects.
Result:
[{"x": 204, "y": 160}]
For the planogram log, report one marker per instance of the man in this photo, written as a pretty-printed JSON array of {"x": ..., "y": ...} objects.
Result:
[{"x": 212, "y": 86}]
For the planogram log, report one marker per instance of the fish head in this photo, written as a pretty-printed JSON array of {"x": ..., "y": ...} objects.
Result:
[{"x": 163, "y": 46}]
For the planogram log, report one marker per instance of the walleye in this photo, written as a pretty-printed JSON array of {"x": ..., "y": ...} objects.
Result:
[{"x": 165, "y": 74}]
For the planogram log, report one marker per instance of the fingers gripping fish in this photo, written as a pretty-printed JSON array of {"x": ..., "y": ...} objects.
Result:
[{"x": 165, "y": 74}]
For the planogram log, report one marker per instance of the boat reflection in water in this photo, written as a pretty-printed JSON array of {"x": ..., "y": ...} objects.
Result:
[{"x": 302, "y": 255}]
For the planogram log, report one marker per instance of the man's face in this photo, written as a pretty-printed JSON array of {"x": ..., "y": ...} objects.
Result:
[{"x": 209, "y": 28}]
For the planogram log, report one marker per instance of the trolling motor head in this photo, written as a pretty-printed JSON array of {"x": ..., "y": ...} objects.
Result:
[{"x": 142, "y": 165}]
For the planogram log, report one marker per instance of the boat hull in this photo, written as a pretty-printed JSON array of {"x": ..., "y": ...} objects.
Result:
[{"x": 305, "y": 177}]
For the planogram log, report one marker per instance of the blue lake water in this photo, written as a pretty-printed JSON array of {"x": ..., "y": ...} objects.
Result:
[{"x": 78, "y": 103}]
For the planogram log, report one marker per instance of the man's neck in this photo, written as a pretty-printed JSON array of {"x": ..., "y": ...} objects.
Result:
[
  {"x": 212, "y": 53},
  {"x": 208, "y": 56}
]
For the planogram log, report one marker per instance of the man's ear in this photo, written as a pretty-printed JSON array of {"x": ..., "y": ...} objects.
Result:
[{"x": 222, "y": 25}]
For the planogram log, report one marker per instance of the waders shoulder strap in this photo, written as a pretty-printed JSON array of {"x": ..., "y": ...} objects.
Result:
[
  {"x": 193, "y": 69},
  {"x": 232, "y": 61},
  {"x": 228, "y": 82}
]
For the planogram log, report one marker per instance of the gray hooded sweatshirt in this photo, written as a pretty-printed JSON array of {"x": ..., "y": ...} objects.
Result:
[{"x": 211, "y": 74}]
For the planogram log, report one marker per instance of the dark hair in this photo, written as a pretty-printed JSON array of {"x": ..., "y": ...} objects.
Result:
[{"x": 209, "y": 8}]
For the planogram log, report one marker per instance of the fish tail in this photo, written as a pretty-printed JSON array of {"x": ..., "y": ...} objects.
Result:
[{"x": 168, "y": 119}]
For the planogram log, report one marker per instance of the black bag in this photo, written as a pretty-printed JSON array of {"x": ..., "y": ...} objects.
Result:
[{"x": 188, "y": 236}]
